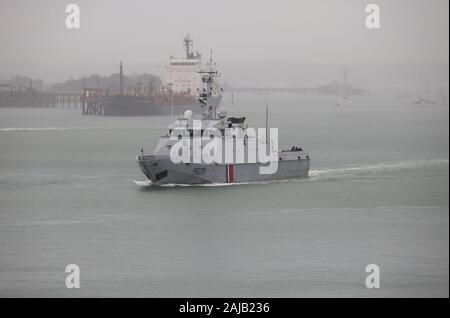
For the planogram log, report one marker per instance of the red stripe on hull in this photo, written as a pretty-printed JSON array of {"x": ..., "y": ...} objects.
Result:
[{"x": 230, "y": 174}]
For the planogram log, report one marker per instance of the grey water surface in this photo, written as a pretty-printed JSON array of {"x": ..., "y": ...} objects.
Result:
[{"x": 71, "y": 192}]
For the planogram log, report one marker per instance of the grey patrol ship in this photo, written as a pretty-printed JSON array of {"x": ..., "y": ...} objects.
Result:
[{"x": 160, "y": 169}]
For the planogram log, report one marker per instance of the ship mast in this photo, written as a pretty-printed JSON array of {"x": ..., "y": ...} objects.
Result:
[
  {"x": 188, "y": 45},
  {"x": 208, "y": 80},
  {"x": 189, "y": 48}
]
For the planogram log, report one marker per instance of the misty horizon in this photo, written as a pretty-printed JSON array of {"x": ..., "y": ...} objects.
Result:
[{"x": 263, "y": 43}]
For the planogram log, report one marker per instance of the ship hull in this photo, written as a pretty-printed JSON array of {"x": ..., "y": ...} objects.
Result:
[{"x": 161, "y": 170}]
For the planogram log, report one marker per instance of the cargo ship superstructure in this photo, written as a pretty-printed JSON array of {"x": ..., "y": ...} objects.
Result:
[{"x": 179, "y": 93}]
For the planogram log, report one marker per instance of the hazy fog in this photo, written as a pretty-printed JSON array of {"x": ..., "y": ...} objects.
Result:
[{"x": 254, "y": 42}]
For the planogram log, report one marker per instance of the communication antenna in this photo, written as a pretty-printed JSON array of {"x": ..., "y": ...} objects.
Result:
[
  {"x": 267, "y": 124},
  {"x": 267, "y": 116}
]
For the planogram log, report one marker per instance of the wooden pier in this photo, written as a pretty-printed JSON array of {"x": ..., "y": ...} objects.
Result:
[
  {"x": 65, "y": 101},
  {"x": 92, "y": 102},
  {"x": 30, "y": 98}
]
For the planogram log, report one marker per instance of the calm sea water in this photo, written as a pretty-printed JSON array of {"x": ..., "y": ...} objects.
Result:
[{"x": 378, "y": 193}]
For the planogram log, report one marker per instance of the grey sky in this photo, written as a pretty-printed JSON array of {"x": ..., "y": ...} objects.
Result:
[{"x": 302, "y": 41}]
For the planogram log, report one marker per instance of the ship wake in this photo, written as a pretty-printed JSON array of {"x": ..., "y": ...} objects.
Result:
[
  {"x": 377, "y": 169},
  {"x": 43, "y": 129},
  {"x": 324, "y": 174}
]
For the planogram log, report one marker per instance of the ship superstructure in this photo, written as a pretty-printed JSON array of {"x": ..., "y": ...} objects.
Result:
[
  {"x": 160, "y": 167},
  {"x": 182, "y": 74}
]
